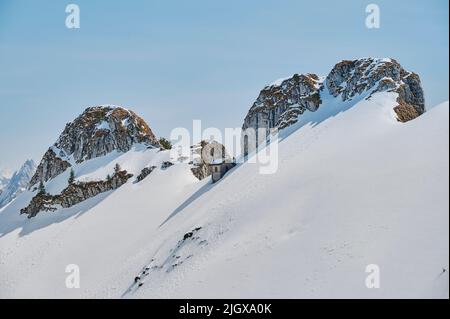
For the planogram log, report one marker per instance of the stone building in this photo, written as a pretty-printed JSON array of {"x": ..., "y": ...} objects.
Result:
[{"x": 219, "y": 168}]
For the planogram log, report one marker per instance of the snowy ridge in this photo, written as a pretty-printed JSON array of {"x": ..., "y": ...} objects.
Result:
[
  {"x": 362, "y": 180},
  {"x": 284, "y": 102},
  {"x": 354, "y": 187},
  {"x": 17, "y": 183},
  {"x": 5, "y": 176}
]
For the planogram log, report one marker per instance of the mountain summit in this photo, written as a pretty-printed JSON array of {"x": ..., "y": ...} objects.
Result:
[
  {"x": 99, "y": 130},
  {"x": 280, "y": 104}
]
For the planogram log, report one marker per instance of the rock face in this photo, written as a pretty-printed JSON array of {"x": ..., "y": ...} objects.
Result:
[
  {"x": 98, "y": 131},
  {"x": 280, "y": 104},
  {"x": 73, "y": 194},
  {"x": 17, "y": 183},
  {"x": 350, "y": 78},
  {"x": 50, "y": 167}
]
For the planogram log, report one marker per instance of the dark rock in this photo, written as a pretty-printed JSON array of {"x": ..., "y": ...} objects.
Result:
[
  {"x": 74, "y": 194},
  {"x": 187, "y": 235},
  {"x": 278, "y": 105},
  {"x": 166, "y": 165},
  {"x": 144, "y": 173},
  {"x": 49, "y": 167}
]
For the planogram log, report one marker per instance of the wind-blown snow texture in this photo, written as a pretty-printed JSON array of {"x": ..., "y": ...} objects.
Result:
[{"x": 354, "y": 187}]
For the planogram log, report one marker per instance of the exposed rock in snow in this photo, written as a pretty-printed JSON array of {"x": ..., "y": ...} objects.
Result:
[
  {"x": 350, "y": 78},
  {"x": 51, "y": 166},
  {"x": 279, "y": 105},
  {"x": 166, "y": 165},
  {"x": 17, "y": 183},
  {"x": 98, "y": 131},
  {"x": 144, "y": 173},
  {"x": 73, "y": 194}
]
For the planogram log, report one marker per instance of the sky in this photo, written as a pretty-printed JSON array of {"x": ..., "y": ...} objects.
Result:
[{"x": 176, "y": 61}]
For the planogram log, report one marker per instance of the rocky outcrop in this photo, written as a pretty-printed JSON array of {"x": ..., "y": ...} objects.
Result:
[
  {"x": 49, "y": 167},
  {"x": 201, "y": 171},
  {"x": 98, "y": 131},
  {"x": 350, "y": 78},
  {"x": 101, "y": 130},
  {"x": 410, "y": 92},
  {"x": 166, "y": 165},
  {"x": 204, "y": 153},
  {"x": 73, "y": 194},
  {"x": 144, "y": 173},
  {"x": 280, "y": 104},
  {"x": 40, "y": 203},
  {"x": 406, "y": 112}
]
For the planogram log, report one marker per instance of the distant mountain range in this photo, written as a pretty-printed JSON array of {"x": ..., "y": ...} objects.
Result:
[{"x": 11, "y": 187}]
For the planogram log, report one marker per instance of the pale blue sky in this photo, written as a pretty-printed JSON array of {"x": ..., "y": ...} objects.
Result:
[{"x": 175, "y": 61}]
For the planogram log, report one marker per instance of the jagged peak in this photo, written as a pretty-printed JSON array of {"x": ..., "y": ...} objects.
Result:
[
  {"x": 18, "y": 182},
  {"x": 27, "y": 167}
]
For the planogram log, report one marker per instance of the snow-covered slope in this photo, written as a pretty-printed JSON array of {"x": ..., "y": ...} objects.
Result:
[
  {"x": 353, "y": 190},
  {"x": 354, "y": 187},
  {"x": 5, "y": 176},
  {"x": 17, "y": 183}
]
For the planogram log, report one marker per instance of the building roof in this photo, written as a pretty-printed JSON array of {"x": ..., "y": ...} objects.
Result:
[{"x": 216, "y": 161}]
